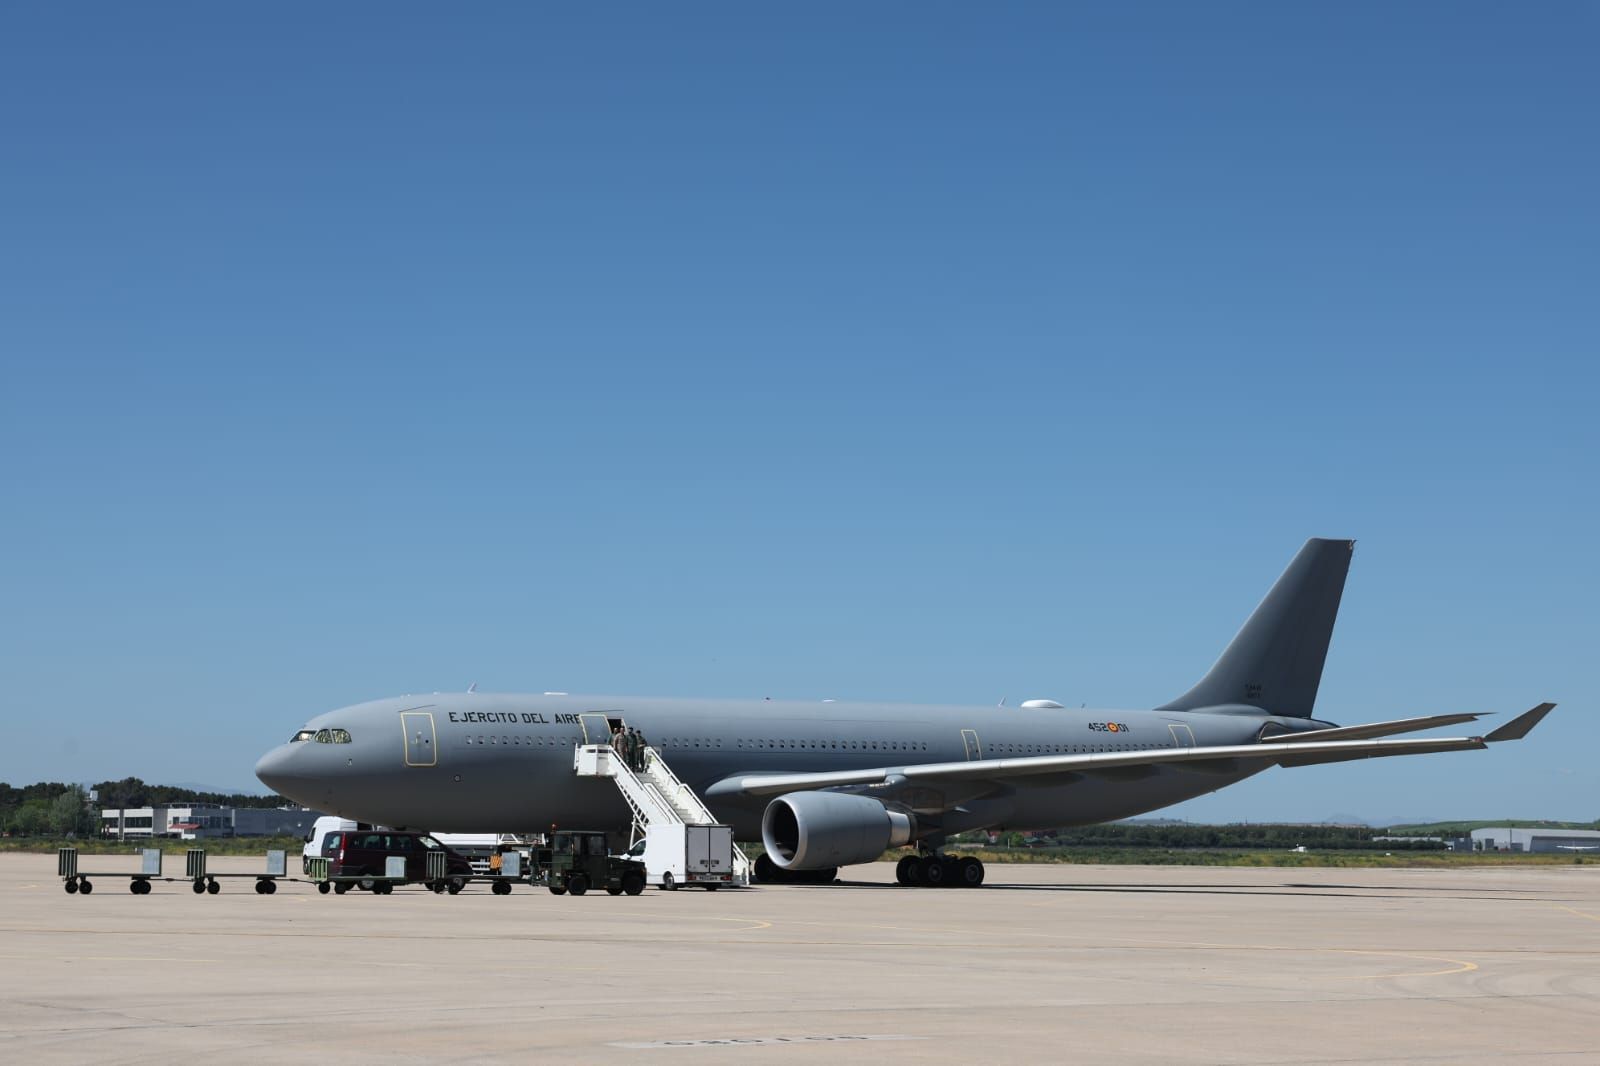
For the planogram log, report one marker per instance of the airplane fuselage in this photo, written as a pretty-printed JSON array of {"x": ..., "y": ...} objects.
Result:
[{"x": 470, "y": 762}]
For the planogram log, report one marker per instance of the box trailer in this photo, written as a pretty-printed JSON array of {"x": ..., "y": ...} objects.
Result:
[{"x": 697, "y": 855}]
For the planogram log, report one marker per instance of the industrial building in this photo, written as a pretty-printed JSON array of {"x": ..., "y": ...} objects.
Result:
[
  {"x": 1520, "y": 838},
  {"x": 199, "y": 820}
]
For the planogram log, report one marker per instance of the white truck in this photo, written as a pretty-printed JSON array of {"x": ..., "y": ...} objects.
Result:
[{"x": 676, "y": 854}]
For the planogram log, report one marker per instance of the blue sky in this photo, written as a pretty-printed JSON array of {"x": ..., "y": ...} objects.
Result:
[{"x": 921, "y": 352}]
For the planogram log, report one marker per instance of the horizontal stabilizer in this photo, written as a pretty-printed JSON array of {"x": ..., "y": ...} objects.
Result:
[{"x": 1372, "y": 729}]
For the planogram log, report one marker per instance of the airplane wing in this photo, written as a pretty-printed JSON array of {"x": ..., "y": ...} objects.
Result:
[{"x": 1221, "y": 757}]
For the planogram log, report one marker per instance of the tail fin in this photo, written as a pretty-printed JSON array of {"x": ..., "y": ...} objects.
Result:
[{"x": 1275, "y": 661}]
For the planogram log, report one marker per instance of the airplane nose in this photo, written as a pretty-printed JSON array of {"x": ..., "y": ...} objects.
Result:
[{"x": 273, "y": 770}]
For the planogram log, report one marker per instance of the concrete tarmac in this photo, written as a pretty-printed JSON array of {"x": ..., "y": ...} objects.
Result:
[{"x": 1081, "y": 963}]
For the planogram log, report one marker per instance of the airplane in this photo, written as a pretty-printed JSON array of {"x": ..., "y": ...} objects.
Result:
[{"x": 835, "y": 783}]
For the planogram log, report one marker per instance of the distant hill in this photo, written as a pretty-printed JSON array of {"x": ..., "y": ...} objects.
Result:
[{"x": 1463, "y": 828}]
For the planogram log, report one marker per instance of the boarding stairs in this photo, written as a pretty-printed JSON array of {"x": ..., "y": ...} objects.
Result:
[{"x": 655, "y": 795}]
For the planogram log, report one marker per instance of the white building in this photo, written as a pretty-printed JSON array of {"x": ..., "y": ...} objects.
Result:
[
  {"x": 1518, "y": 838},
  {"x": 197, "y": 821}
]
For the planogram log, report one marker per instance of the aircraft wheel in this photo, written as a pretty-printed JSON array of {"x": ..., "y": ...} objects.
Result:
[
  {"x": 213, "y": 887},
  {"x": 85, "y": 887},
  {"x": 577, "y": 884},
  {"x": 969, "y": 871},
  {"x": 668, "y": 883},
  {"x": 905, "y": 871},
  {"x": 341, "y": 888},
  {"x": 324, "y": 887},
  {"x": 199, "y": 887},
  {"x": 633, "y": 882},
  {"x": 933, "y": 870},
  {"x": 557, "y": 890},
  {"x": 71, "y": 887},
  {"x": 767, "y": 871}
]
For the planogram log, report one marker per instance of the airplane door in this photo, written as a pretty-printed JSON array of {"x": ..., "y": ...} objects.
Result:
[
  {"x": 596, "y": 729},
  {"x": 1182, "y": 735},
  {"x": 969, "y": 740},
  {"x": 417, "y": 727}
]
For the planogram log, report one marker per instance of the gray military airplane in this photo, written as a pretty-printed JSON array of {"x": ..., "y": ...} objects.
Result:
[{"x": 828, "y": 784}]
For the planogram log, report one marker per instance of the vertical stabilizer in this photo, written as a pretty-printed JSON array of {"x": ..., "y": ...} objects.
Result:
[{"x": 1275, "y": 661}]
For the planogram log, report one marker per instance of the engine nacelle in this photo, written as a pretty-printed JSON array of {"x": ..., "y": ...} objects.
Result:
[{"x": 817, "y": 830}]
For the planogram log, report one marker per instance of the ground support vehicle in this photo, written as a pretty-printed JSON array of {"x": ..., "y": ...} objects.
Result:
[
  {"x": 676, "y": 854},
  {"x": 578, "y": 860}
]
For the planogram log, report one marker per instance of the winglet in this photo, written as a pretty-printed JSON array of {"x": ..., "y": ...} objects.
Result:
[{"x": 1521, "y": 725}]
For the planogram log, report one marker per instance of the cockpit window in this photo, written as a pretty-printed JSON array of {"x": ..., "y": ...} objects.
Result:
[
  {"x": 324, "y": 736},
  {"x": 341, "y": 736},
  {"x": 304, "y": 734}
]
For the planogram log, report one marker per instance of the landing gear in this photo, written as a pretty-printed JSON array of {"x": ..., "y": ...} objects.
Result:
[{"x": 937, "y": 871}]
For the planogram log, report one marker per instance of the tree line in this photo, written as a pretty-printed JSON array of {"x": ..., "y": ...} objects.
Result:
[
  {"x": 59, "y": 809},
  {"x": 1259, "y": 836}
]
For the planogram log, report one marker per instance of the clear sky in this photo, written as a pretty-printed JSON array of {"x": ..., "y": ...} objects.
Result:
[{"x": 929, "y": 352}]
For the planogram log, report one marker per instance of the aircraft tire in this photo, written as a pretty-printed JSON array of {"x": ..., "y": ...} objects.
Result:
[
  {"x": 823, "y": 877},
  {"x": 767, "y": 871},
  {"x": 633, "y": 882},
  {"x": 905, "y": 870},
  {"x": 71, "y": 887},
  {"x": 969, "y": 872},
  {"x": 577, "y": 884},
  {"x": 85, "y": 887},
  {"x": 933, "y": 870},
  {"x": 324, "y": 887}
]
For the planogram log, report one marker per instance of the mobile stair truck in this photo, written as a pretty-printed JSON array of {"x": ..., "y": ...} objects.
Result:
[{"x": 675, "y": 834}]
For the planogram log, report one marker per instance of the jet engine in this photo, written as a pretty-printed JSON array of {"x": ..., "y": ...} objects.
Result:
[{"x": 818, "y": 830}]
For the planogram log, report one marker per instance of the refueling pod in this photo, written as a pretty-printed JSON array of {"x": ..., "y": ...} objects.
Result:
[{"x": 818, "y": 830}]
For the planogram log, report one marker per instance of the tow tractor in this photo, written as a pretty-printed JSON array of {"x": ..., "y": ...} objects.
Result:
[{"x": 578, "y": 860}]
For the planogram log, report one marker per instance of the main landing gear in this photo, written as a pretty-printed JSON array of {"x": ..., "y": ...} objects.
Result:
[{"x": 939, "y": 871}]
